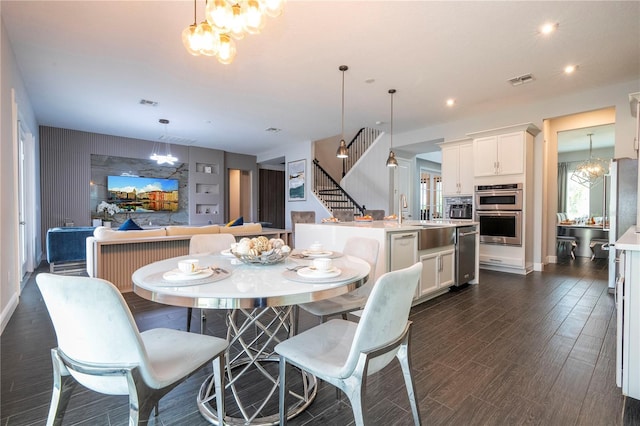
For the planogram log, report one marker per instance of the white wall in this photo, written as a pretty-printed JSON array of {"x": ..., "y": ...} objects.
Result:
[
  {"x": 295, "y": 152},
  {"x": 368, "y": 181},
  {"x": 9, "y": 242}
]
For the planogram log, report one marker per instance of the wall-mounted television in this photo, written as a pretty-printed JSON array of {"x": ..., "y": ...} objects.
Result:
[{"x": 143, "y": 194}]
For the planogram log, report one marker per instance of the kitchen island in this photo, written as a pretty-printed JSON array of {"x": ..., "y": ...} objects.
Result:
[{"x": 401, "y": 245}]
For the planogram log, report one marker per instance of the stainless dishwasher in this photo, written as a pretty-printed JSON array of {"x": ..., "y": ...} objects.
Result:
[{"x": 465, "y": 254}]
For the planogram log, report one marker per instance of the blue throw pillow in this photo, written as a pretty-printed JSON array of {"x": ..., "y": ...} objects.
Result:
[
  {"x": 236, "y": 222},
  {"x": 129, "y": 225}
]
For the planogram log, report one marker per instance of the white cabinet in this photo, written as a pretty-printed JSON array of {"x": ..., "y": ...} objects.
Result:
[
  {"x": 438, "y": 271},
  {"x": 457, "y": 168},
  {"x": 628, "y": 315},
  {"x": 499, "y": 154},
  {"x": 403, "y": 249}
]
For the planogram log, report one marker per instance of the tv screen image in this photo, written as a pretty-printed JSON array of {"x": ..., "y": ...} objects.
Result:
[{"x": 143, "y": 194}]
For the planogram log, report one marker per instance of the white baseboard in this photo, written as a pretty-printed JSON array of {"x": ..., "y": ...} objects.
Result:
[{"x": 5, "y": 316}]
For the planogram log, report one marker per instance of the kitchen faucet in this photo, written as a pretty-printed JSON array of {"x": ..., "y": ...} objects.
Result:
[{"x": 402, "y": 203}]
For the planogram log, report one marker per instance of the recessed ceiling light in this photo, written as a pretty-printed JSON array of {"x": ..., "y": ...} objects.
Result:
[
  {"x": 548, "y": 28},
  {"x": 570, "y": 69},
  {"x": 451, "y": 102},
  {"x": 370, "y": 80}
]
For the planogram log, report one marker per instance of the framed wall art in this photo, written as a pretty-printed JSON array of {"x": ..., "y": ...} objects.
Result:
[{"x": 296, "y": 171}]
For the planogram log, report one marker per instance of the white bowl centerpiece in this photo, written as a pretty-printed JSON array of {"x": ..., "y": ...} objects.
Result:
[{"x": 261, "y": 250}]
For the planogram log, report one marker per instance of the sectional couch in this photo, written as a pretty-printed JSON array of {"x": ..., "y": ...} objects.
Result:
[{"x": 114, "y": 255}]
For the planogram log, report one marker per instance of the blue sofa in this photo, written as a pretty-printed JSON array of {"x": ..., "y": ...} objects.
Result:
[{"x": 66, "y": 248}]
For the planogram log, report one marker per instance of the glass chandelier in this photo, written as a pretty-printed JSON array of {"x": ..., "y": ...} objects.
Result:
[
  {"x": 226, "y": 20},
  {"x": 161, "y": 153},
  {"x": 589, "y": 172}
]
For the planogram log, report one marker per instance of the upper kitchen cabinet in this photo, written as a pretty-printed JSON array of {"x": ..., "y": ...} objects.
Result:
[
  {"x": 457, "y": 167},
  {"x": 502, "y": 151}
]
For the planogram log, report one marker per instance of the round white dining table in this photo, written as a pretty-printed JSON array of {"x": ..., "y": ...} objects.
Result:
[{"x": 249, "y": 292}]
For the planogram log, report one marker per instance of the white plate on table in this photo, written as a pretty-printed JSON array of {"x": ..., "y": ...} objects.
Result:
[
  {"x": 178, "y": 275},
  {"x": 311, "y": 272},
  {"x": 227, "y": 252},
  {"x": 322, "y": 253}
]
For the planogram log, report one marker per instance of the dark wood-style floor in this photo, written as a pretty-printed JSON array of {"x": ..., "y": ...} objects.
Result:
[{"x": 535, "y": 349}]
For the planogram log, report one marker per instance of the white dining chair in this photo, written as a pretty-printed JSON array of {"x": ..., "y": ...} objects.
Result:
[
  {"x": 100, "y": 347},
  {"x": 366, "y": 249},
  {"x": 343, "y": 353},
  {"x": 202, "y": 244}
]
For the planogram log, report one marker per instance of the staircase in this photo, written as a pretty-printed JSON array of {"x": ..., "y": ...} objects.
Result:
[
  {"x": 358, "y": 146},
  {"x": 332, "y": 195}
]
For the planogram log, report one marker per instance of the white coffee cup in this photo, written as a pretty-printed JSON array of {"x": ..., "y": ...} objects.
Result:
[
  {"x": 188, "y": 266},
  {"x": 316, "y": 246},
  {"x": 322, "y": 264}
]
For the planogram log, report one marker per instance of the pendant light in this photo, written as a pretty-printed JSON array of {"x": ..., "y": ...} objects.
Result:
[
  {"x": 342, "y": 149},
  {"x": 391, "y": 161},
  {"x": 589, "y": 172},
  {"x": 162, "y": 151}
]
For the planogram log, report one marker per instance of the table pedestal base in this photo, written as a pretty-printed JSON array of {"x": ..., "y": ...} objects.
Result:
[{"x": 251, "y": 379}]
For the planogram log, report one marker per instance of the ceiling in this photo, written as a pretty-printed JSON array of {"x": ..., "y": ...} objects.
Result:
[
  {"x": 578, "y": 139},
  {"x": 87, "y": 65}
]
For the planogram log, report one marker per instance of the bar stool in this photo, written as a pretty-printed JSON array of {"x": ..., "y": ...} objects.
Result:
[
  {"x": 563, "y": 240},
  {"x": 594, "y": 242}
]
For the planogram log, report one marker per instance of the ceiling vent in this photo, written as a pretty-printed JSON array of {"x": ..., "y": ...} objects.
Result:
[
  {"x": 517, "y": 81},
  {"x": 147, "y": 102},
  {"x": 272, "y": 130}
]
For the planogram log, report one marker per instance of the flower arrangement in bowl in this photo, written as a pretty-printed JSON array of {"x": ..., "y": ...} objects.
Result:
[
  {"x": 261, "y": 250},
  {"x": 107, "y": 209}
]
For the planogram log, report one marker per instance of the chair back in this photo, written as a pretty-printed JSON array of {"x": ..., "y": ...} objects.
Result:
[
  {"x": 375, "y": 214},
  {"x": 300, "y": 217},
  {"x": 210, "y": 243},
  {"x": 367, "y": 250},
  {"x": 93, "y": 325},
  {"x": 343, "y": 215},
  {"x": 384, "y": 318}
]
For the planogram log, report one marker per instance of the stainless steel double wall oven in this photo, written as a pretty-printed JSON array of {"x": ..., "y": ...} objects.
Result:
[{"x": 499, "y": 212}]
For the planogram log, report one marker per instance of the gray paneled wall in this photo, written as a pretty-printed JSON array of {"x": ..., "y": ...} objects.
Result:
[{"x": 65, "y": 164}]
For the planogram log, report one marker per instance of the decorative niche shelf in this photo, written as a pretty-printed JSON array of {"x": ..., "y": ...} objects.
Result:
[
  {"x": 211, "y": 209},
  {"x": 206, "y": 188},
  {"x": 208, "y": 168}
]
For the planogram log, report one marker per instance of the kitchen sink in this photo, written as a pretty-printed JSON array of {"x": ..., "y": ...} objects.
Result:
[{"x": 433, "y": 236}]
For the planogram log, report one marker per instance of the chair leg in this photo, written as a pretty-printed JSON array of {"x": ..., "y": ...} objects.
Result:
[
  {"x": 203, "y": 321},
  {"x": 355, "y": 389},
  {"x": 189, "y": 313},
  {"x": 405, "y": 364},
  {"x": 63, "y": 385},
  {"x": 218, "y": 372},
  {"x": 282, "y": 391}
]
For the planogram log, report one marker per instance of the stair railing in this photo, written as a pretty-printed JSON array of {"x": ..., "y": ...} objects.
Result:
[
  {"x": 324, "y": 184},
  {"x": 358, "y": 146}
]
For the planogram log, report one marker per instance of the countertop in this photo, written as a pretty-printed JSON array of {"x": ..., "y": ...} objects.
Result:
[
  {"x": 407, "y": 225},
  {"x": 630, "y": 240}
]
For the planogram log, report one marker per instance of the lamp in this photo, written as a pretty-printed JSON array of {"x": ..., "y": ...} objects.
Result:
[
  {"x": 391, "y": 161},
  {"x": 226, "y": 20},
  {"x": 162, "y": 150},
  {"x": 589, "y": 172},
  {"x": 342, "y": 149}
]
